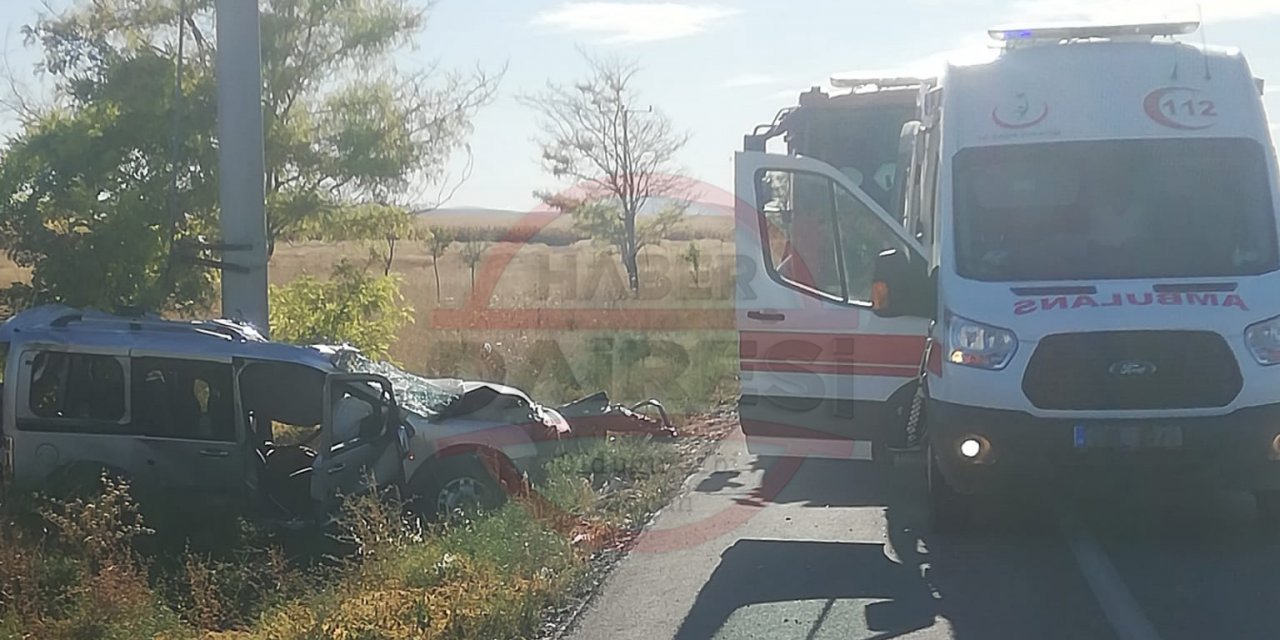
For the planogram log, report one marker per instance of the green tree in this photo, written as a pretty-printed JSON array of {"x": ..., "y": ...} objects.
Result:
[
  {"x": 438, "y": 242},
  {"x": 84, "y": 189},
  {"x": 604, "y": 222},
  {"x": 622, "y": 155},
  {"x": 472, "y": 253},
  {"x": 351, "y": 307},
  {"x": 87, "y": 204}
]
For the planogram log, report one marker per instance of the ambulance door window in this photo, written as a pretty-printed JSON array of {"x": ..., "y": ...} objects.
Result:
[{"x": 800, "y": 234}]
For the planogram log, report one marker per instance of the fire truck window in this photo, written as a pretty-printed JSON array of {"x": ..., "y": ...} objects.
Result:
[
  {"x": 800, "y": 230},
  {"x": 853, "y": 174},
  {"x": 863, "y": 235}
]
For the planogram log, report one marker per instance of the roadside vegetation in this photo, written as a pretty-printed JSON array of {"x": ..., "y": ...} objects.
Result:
[{"x": 100, "y": 568}]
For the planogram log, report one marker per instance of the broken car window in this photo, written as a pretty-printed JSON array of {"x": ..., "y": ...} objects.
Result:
[
  {"x": 282, "y": 392},
  {"x": 415, "y": 393}
]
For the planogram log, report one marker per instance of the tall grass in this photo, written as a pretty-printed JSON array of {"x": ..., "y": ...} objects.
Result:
[{"x": 91, "y": 568}]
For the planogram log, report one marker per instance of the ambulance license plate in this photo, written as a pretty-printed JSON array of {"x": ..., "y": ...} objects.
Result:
[{"x": 1126, "y": 437}]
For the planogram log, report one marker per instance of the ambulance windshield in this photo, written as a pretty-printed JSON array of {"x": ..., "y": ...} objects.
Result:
[{"x": 1114, "y": 209}]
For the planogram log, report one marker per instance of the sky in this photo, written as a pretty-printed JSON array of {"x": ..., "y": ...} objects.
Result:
[{"x": 717, "y": 68}]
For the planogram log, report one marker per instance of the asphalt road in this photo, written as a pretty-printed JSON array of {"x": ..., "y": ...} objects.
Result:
[{"x": 825, "y": 549}]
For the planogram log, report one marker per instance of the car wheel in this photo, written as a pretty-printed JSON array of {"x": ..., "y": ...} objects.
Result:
[
  {"x": 949, "y": 510},
  {"x": 461, "y": 484}
]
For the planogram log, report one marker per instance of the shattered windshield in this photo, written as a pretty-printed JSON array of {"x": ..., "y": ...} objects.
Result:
[
  {"x": 420, "y": 395},
  {"x": 1114, "y": 209}
]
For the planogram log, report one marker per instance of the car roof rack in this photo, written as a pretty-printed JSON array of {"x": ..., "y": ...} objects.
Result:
[{"x": 224, "y": 328}]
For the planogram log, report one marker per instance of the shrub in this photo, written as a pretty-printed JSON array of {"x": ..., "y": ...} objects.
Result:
[
  {"x": 83, "y": 578},
  {"x": 632, "y": 476},
  {"x": 352, "y": 307}
]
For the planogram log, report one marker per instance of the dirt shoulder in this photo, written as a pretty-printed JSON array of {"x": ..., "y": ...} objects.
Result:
[{"x": 699, "y": 438}]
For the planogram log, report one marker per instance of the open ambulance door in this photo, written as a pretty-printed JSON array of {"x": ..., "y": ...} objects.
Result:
[{"x": 823, "y": 375}]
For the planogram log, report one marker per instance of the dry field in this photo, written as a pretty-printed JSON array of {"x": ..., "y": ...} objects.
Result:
[
  {"x": 707, "y": 227},
  {"x": 554, "y": 316},
  {"x": 556, "y": 320}
]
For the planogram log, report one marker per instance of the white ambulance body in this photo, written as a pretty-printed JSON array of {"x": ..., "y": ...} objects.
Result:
[{"x": 1089, "y": 255}]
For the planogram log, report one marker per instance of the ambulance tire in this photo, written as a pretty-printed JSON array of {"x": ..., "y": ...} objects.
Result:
[
  {"x": 949, "y": 510},
  {"x": 916, "y": 425},
  {"x": 906, "y": 415}
]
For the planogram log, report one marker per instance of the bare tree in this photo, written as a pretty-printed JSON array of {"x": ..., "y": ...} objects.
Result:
[
  {"x": 693, "y": 256},
  {"x": 472, "y": 253},
  {"x": 596, "y": 131}
]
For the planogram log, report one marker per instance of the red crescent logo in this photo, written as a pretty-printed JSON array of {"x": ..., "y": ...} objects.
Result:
[
  {"x": 1155, "y": 104},
  {"x": 995, "y": 117}
]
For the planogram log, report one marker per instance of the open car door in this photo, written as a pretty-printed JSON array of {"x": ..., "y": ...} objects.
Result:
[
  {"x": 822, "y": 374},
  {"x": 361, "y": 445}
]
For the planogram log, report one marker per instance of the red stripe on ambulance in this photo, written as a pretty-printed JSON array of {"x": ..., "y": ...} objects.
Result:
[{"x": 842, "y": 350}]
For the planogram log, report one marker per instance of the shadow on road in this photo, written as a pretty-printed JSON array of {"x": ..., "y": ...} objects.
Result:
[
  {"x": 829, "y": 575},
  {"x": 808, "y": 481},
  {"x": 1016, "y": 581},
  {"x": 1198, "y": 564}
]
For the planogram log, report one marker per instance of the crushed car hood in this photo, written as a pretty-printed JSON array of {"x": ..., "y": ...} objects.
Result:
[
  {"x": 442, "y": 398},
  {"x": 438, "y": 399}
]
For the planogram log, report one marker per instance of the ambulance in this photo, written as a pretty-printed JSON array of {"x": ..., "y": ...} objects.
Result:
[{"x": 1076, "y": 279}]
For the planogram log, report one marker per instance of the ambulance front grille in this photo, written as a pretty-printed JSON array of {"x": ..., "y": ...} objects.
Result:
[{"x": 1132, "y": 370}]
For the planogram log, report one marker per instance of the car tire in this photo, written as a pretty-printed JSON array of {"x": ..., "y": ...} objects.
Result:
[
  {"x": 459, "y": 484},
  {"x": 949, "y": 510},
  {"x": 1268, "y": 509}
]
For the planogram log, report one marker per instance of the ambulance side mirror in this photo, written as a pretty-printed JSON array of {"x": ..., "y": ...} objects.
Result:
[{"x": 901, "y": 287}]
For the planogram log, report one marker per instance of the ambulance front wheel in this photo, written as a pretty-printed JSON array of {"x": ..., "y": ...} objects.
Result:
[
  {"x": 1268, "y": 509},
  {"x": 949, "y": 510}
]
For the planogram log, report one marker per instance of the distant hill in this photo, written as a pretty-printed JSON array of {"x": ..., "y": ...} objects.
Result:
[
  {"x": 478, "y": 212},
  {"x": 495, "y": 216}
]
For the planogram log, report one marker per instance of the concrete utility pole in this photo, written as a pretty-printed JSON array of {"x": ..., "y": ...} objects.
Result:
[{"x": 242, "y": 173}]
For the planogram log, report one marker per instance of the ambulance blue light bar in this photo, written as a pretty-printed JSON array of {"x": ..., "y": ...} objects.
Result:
[{"x": 1081, "y": 32}]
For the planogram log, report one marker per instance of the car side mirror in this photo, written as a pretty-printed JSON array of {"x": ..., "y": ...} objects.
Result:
[
  {"x": 390, "y": 418},
  {"x": 373, "y": 426},
  {"x": 405, "y": 434},
  {"x": 901, "y": 287}
]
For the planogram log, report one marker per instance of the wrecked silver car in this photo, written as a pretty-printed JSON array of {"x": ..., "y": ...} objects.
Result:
[{"x": 212, "y": 411}]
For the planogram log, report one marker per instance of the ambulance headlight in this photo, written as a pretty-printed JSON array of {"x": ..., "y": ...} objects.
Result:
[
  {"x": 973, "y": 344},
  {"x": 1264, "y": 341}
]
